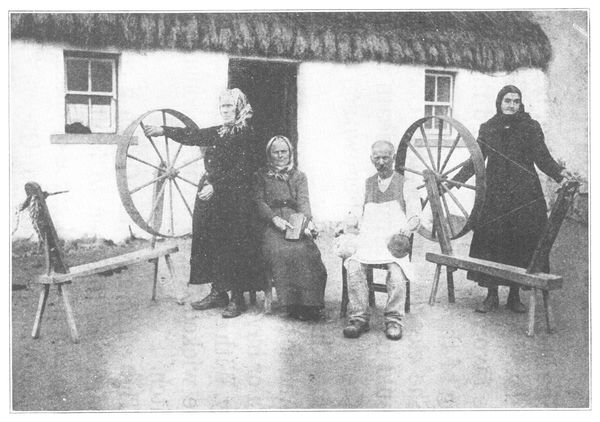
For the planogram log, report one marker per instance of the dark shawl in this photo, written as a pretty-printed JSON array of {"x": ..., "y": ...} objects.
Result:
[{"x": 514, "y": 212}]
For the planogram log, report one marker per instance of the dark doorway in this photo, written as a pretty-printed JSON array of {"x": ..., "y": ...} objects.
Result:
[{"x": 271, "y": 89}]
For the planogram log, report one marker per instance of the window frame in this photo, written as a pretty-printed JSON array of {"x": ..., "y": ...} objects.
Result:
[
  {"x": 435, "y": 103},
  {"x": 90, "y": 57}
]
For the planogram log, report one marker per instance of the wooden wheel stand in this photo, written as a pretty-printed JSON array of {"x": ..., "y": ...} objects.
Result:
[
  {"x": 530, "y": 277},
  {"x": 59, "y": 274},
  {"x": 433, "y": 169}
]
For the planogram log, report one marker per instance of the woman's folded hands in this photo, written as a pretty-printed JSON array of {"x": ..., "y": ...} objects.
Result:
[{"x": 281, "y": 224}]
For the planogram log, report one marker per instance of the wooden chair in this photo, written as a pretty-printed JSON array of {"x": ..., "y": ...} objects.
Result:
[
  {"x": 373, "y": 287},
  {"x": 59, "y": 274},
  {"x": 268, "y": 292},
  {"x": 527, "y": 277}
]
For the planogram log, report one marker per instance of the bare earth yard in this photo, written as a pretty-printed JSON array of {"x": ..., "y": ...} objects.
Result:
[{"x": 137, "y": 354}]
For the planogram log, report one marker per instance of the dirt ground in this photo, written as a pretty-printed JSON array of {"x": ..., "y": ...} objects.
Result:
[{"x": 137, "y": 354}]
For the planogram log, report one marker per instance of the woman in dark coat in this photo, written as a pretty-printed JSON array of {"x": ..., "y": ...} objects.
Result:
[
  {"x": 295, "y": 265},
  {"x": 224, "y": 245},
  {"x": 514, "y": 212}
]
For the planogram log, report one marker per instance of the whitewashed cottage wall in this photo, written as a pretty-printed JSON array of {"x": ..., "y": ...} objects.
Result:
[
  {"x": 343, "y": 109},
  {"x": 184, "y": 81}
]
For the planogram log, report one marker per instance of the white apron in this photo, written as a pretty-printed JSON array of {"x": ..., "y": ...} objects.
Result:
[{"x": 379, "y": 223}]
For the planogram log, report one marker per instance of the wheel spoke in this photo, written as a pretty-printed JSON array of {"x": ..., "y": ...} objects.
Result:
[
  {"x": 186, "y": 180},
  {"x": 466, "y": 214},
  {"x": 177, "y": 154},
  {"x": 413, "y": 149},
  {"x": 164, "y": 118},
  {"x": 158, "y": 198},
  {"x": 183, "y": 198},
  {"x": 171, "y": 206},
  {"x": 448, "y": 215},
  {"x": 156, "y": 179},
  {"x": 145, "y": 162},
  {"x": 452, "y": 182},
  {"x": 439, "y": 146},
  {"x": 450, "y": 153},
  {"x": 464, "y": 163},
  {"x": 426, "y": 142},
  {"x": 153, "y": 145},
  {"x": 409, "y": 170},
  {"x": 187, "y": 163},
  {"x": 464, "y": 185}
]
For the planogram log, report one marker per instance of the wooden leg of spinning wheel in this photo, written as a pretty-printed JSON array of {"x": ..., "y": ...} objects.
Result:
[
  {"x": 37, "y": 323},
  {"x": 170, "y": 267},
  {"x": 268, "y": 300},
  {"x": 450, "y": 281},
  {"x": 531, "y": 326},
  {"x": 434, "y": 287},
  {"x": 62, "y": 291},
  {"x": 268, "y": 293},
  {"x": 155, "y": 261},
  {"x": 180, "y": 295},
  {"x": 548, "y": 308}
]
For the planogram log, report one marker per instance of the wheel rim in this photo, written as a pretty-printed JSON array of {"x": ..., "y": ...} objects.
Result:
[
  {"x": 445, "y": 158},
  {"x": 167, "y": 169}
]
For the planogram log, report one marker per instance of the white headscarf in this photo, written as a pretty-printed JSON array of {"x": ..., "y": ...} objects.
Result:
[
  {"x": 279, "y": 172},
  {"x": 243, "y": 111}
]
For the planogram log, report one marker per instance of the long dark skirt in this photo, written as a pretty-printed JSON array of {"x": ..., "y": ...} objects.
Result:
[
  {"x": 298, "y": 272},
  {"x": 225, "y": 245},
  {"x": 509, "y": 240}
]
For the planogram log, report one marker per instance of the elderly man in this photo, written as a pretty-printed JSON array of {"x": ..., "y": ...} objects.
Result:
[{"x": 383, "y": 240}]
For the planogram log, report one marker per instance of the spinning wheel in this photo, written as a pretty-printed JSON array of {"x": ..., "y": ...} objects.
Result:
[
  {"x": 423, "y": 157},
  {"x": 158, "y": 177}
]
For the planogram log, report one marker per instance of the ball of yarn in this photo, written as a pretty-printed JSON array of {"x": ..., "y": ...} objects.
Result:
[{"x": 399, "y": 245}]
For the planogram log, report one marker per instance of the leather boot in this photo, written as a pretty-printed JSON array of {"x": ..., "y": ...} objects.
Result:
[
  {"x": 213, "y": 300},
  {"x": 514, "y": 301},
  {"x": 393, "y": 330},
  {"x": 236, "y": 306},
  {"x": 490, "y": 303},
  {"x": 355, "y": 328}
]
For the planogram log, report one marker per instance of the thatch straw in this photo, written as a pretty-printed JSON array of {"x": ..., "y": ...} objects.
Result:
[{"x": 483, "y": 41}]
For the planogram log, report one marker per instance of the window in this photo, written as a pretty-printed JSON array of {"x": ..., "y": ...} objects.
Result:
[
  {"x": 439, "y": 93},
  {"x": 90, "y": 93}
]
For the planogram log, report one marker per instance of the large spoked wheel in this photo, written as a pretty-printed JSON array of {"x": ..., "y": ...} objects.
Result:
[
  {"x": 158, "y": 178},
  {"x": 443, "y": 146}
]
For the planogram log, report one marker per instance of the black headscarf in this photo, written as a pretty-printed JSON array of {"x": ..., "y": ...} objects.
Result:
[
  {"x": 509, "y": 89},
  {"x": 506, "y": 120}
]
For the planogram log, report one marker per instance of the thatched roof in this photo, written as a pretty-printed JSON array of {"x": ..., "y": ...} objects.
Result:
[{"x": 484, "y": 41}]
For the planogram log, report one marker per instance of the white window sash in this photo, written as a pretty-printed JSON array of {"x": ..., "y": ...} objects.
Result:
[
  {"x": 91, "y": 94},
  {"x": 436, "y": 103}
]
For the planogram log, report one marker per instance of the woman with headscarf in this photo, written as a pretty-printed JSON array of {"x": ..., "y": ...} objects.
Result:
[
  {"x": 295, "y": 265},
  {"x": 225, "y": 249},
  {"x": 514, "y": 212}
]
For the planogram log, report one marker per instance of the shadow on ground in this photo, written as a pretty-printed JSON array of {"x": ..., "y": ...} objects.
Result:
[{"x": 138, "y": 354}]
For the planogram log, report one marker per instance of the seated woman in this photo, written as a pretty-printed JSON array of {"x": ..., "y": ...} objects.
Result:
[{"x": 295, "y": 265}]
